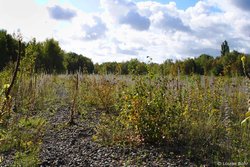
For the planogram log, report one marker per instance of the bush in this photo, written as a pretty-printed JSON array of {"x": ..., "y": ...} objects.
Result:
[{"x": 198, "y": 116}]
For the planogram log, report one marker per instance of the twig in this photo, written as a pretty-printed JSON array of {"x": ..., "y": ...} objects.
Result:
[
  {"x": 73, "y": 107},
  {"x": 7, "y": 93}
]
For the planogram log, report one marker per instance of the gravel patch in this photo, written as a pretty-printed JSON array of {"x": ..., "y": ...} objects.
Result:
[{"x": 72, "y": 146}]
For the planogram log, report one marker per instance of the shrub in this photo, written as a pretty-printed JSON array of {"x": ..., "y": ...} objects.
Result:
[{"x": 198, "y": 116}]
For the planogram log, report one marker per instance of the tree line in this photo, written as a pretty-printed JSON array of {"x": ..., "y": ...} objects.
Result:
[
  {"x": 48, "y": 57},
  {"x": 227, "y": 64}
]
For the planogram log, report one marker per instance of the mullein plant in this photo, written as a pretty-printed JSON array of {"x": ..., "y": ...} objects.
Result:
[
  {"x": 247, "y": 119},
  {"x": 7, "y": 100},
  {"x": 245, "y": 123}
]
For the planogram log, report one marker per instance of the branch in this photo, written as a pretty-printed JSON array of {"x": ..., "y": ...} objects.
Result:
[{"x": 8, "y": 91}]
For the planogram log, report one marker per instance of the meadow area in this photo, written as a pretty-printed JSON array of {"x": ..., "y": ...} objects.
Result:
[
  {"x": 198, "y": 118},
  {"x": 60, "y": 109}
]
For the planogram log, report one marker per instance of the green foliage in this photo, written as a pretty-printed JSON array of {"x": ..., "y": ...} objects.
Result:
[
  {"x": 53, "y": 57},
  {"x": 136, "y": 67},
  {"x": 48, "y": 57},
  {"x": 224, "y": 48},
  {"x": 6, "y": 104},
  {"x": 246, "y": 120},
  {"x": 28, "y": 158},
  {"x": 200, "y": 116},
  {"x": 196, "y": 115},
  {"x": 100, "y": 91},
  {"x": 108, "y": 68},
  {"x": 217, "y": 69},
  {"x": 21, "y": 125},
  {"x": 228, "y": 65},
  {"x": 3, "y": 48},
  {"x": 204, "y": 117},
  {"x": 42, "y": 57},
  {"x": 25, "y": 137},
  {"x": 78, "y": 63},
  {"x": 204, "y": 64},
  {"x": 8, "y": 49},
  {"x": 189, "y": 67},
  {"x": 133, "y": 66}
]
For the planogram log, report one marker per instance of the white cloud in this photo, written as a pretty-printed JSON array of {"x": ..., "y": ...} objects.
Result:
[
  {"x": 59, "y": 13},
  {"x": 125, "y": 12},
  {"x": 167, "y": 22},
  {"x": 242, "y": 4},
  {"x": 32, "y": 19},
  {"x": 136, "y": 21},
  {"x": 117, "y": 8},
  {"x": 96, "y": 31},
  {"x": 126, "y": 29}
]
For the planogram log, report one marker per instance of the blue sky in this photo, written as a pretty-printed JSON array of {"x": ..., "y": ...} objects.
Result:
[
  {"x": 85, "y": 5},
  {"x": 181, "y": 4},
  {"x": 42, "y": 2},
  {"x": 94, "y": 5},
  {"x": 118, "y": 30}
]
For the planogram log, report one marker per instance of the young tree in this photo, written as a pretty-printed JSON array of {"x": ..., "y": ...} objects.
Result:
[
  {"x": 204, "y": 64},
  {"x": 224, "y": 48},
  {"x": 78, "y": 63},
  {"x": 3, "y": 49},
  {"x": 8, "y": 49},
  {"x": 53, "y": 56}
]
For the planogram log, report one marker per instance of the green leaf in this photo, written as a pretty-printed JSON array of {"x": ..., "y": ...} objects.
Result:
[
  {"x": 248, "y": 114},
  {"x": 245, "y": 120}
]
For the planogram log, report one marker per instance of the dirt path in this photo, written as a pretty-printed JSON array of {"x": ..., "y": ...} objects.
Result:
[{"x": 73, "y": 146}]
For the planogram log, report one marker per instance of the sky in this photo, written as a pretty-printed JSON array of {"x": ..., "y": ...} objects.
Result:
[{"x": 119, "y": 30}]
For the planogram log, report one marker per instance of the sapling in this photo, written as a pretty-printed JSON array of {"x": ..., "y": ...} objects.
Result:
[
  {"x": 73, "y": 106},
  {"x": 6, "y": 107}
]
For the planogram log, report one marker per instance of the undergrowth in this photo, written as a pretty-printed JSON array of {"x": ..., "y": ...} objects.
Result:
[{"x": 198, "y": 116}]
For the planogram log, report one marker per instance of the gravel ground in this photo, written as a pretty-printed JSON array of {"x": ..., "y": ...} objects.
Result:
[
  {"x": 72, "y": 146},
  {"x": 67, "y": 146}
]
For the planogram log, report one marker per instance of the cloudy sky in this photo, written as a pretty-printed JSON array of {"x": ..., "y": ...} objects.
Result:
[{"x": 118, "y": 30}]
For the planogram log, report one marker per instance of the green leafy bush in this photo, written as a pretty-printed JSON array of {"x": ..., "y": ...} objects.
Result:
[{"x": 198, "y": 116}]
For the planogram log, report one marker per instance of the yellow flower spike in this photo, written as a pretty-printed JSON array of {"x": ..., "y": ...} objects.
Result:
[
  {"x": 6, "y": 86},
  {"x": 243, "y": 59},
  {"x": 9, "y": 97},
  {"x": 248, "y": 114},
  {"x": 245, "y": 120},
  {"x": 1, "y": 159},
  {"x": 29, "y": 143}
]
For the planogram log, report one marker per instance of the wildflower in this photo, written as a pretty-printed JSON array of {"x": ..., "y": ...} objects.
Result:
[
  {"x": 243, "y": 59},
  {"x": 245, "y": 120},
  {"x": 1, "y": 159},
  {"x": 126, "y": 97},
  {"x": 6, "y": 86},
  {"x": 248, "y": 114},
  {"x": 29, "y": 143}
]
